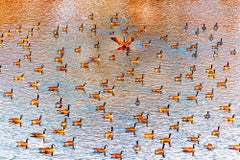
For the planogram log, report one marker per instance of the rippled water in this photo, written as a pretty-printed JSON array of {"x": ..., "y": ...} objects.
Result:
[{"x": 162, "y": 17}]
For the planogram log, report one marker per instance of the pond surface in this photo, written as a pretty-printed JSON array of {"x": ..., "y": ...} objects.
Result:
[{"x": 160, "y": 18}]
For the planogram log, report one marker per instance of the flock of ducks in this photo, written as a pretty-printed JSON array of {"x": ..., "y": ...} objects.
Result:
[{"x": 139, "y": 118}]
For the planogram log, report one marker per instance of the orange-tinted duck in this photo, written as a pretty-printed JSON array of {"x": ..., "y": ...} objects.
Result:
[
  {"x": 147, "y": 44},
  {"x": 178, "y": 78},
  {"x": 194, "y": 138},
  {"x": 69, "y": 143},
  {"x": 159, "y": 54},
  {"x": 19, "y": 78},
  {"x": 101, "y": 107},
  {"x": 166, "y": 139},
  {"x": 175, "y": 126},
  {"x": 226, "y": 107},
  {"x": 149, "y": 135},
  {"x": 175, "y": 46},
  {"x": 16, "y": 120},
  {"x": 198, "y": 87},
  {"x": 189, "y": 149},
  {"x": 94, "y": 29},
  {"x": 65, "y": 111},
  {"x": 58, "y": 59},
  {"x": 144, "y": 120},
  {"x": 95, "y": 95},
  {"x": 233, "y": 52},
  {"x": 17, "y": 63},
  {"x": 9, "y": 93},
  {"x": 23, "y": 143},
  {"x": 109, "y": 134},
  {"x": 39, "y": 69},
  {"x": 188, "y": 119},
  {"x": 62, "y": 68},
  {"x": 210, "y": 94},
  {"x": 65, "y": 29},
  {"x": 165, "y": 109},
  {"x": 59, "y": 104},
  {"x": 105, "y": 84},
  {"x": 61, "y": 131},
  {"x": 235, "y": 147},
  {"x": 37, "y": 121},
  {"x": 117, "y": 155},
  {"x": 39, "y": 134},
  {"x": 137, "y": 147},
  {"x": 194, "y": 98},
  {"x": 81, "y": 27},
  {"x": 64, "y": 123},
  {"x": 35, "y": 101},
  {"x": 81, "y": 87},
  {"x": 132, "y": 128},
  {"x": 209, "y": 146},
  {"x": 78, "y": 49},
  {"x": 231, "y": 119},
  {"x": 114, "y": 23},
  {"x": 101, "y": 150},
  {"x": 160, "y": 151},
  {"x": 78, "y": 122},
  {"x": 47, "y": 150},
  {"x": 216, "y": 132},
  {"x": 54, "y": 88},
  {"x": 222, "y": 83},
  {"x": 226, "y": 67},
  {"x": 35, "y": 84},
  {"x": 109, "y": 90},
  {"x": 175, "y": 97},
  {"x": 157, "y": 89},
  {"x": 37, "y": 26}
]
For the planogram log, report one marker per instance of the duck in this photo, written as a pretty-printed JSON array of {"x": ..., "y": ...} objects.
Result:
[
  {"x": 137, "y": 147},
  {"x": 165, "y": 109},
  {"x": 30, "y": 33},
  {"x": 81, "y": 87},
  {"x": 19, "y": 78},
  {"x": 25, "y": 39},
  {"x": 194, "y": 138},
  {"x": 194, "y": 98},
  {"x": 178, "y": 78},
  {"x": 159, "y": 54},
  {"x": 35, "y": 84},
  {"x": 175, "y": 46},
  {"x": 109, "y": 90},
  {"x": 27, "y": 47},
  {"x": 37, "y": 121},
  {"x": 8, "y": 33},
  {"x": 69, "y": 143},
  {"x": 149, "y": 135},
  {"x": 39, "y": 69},
  {"x": 95, "y": 95},
  {"x": 210, "y": 37},
  {"x": 231, "y": 119},
  {"x": 186, "y": 26},
  {"x": 174, "y": 126},
  {"x": 166, "y": 139},
  {"x": 78, "y": 122},
  {"x": 94, "y": 29},
  {"x": 39, "y": 134},
  {"x": 222, "y": 83},
  {"x": 142, "y": 29},
  {"x": 144, "y": 120},
  {"x": 23, "y": 143},
  {"x": 35, "y": 101},
  {"x": 125, "y": 30},
  {"x": 215, "y": 55},
  {"x": 16, "y": 120},
  {"x": 84, "y": 64},
  {"x": 105, "y": 84},
  {"x": 65, "y": 111},
  {"x": 208, "y": 70},
  {"x": 212, "y": 74},
  {"x": 64, "y": 123},
  {"x": 157, "y": 89},
  {"x": 9, "y": 93},
  {"x": 95, "y": 58},
  {"x": 215, "y": 46},
  {"x": 160, "y": 151},
  {"x": 91, "y": 16},
  {"x": 112, "y": 57},
  {"x": 65, "y": 29},
  {"x": 131, "y": 72},
  {"x": 120, "y": 77},
  {"x": 209, "y": 146},
  {"x": 78, "y": 49},
  {"x": 233, "y": 52},
  {"x": 114, "y": 23},
  {"x": 197, "y": 31},
  {"x": 140, "y": 79},
  {"x": 54, "y": 88},
  {"x": 216, "y": 132},
  {"x": 58, "y": 59},
  {"x": 193, "y": 68},
  {"x": 189, "y": 149},
  {"x": 137, "y": 102},
  {"x": 175, "y": 97},
  {"x": 61, "y": 51},
  {"x": 235, "y": 147},
  {"x": 158, "y": 69},
  {"x": 189, "y": 75},
  {"x": 147, "y": 44},
  {"x": 117, "y": 155},
  {"x": 17, "y": 63},
  {"x": 48, "y": 150},
  {"x": 207, "y": 115},
  {"x": 134, "y": 61},
  {"x": 101, "y": 150},
  {"x": 59, "y": 131},
  {"x": 59, "y": 104},
  {"x": 62, "y": 68},
  {"x": 97, "y": 45},
  {"x": 215, "y": 27},
  {"x": 198, "y": 87},
  {"x": 37, "y": 26},
  {"x": 209, "y": 95},
  {"x": 226, "y": 107},
  {"x": 28, "y": 56},
  {"x": 137, "y": 116},
  {"x": 101, "y": 107},
  {"x": 188, "y": 119},
  {"x": 124, "y": 44},
  {"x": 164, "y": 38},
  {"x": 204, "y": 28},
  {"x": 109, "y": 134},
  {"x": 226, "y": 67},
  {"x": 220, "y": 42},
  {"x": 81, "y": 27},
  {"x": 132, "y": 128}
]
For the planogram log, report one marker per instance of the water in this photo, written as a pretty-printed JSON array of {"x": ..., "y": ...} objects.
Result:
[{"x": 160, "y": 18}]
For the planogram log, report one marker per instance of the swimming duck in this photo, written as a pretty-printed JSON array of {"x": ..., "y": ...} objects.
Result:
[
  {"x": 188, "y": 119},
  {"x": 175, "y": 126},
  {"x": 78, "y": 122},
  {"x": 121, "y": 77},
  {"x": 58, "y": 59},
  {"x": 166, "y": 139},
  {"x": 159, "y": 54},
  {"x": 17, "y": 63},
  {"x": 112, "y": 57},
  {"x": 158, "y": 69},
  {"x": 69, "y": 143},
  {"x": 101, "y": 150},
  {"x": 19, "y": 78},
  {"x": 35, "y": 84},
  {"x": 175, "y": 46},
  {"x": 197, "y": 31},
  {"x": 178, "y": 78},
  {"x": 207, "y": 115},
  {"x": 137, "y": 102},
  {"x": 94, "y": 29},
  {"x": 37, "y": 121},
  {"x": 146, "y": 44},
  {"x": 108, "y": 115},
  {"x": 28, "y": 56},
  {"x": 123, "y": 43},
  {"x": 209, "y": 95},
  {"x": 97, "y": 45},
  {"x": 222, "y": 84},
  {"x": 138, "y": 116},
  {"x": 105, "y": 84},
  {"x": 134, "y": 61},
  {"x": 212, "y": 74},
  {"x": 23, "y": 143},
  {"x": 35, "y": 101},
  {"x": 114, "y": 23},
  {"x": 9, "y": 93},
  {"x": 137, "y": 147},
  {"x": 164, "y": 37},
  {"x": 204, "y": 28},
  {"x": 109, "y": 134},
  {"x": 78, "y": 49},
  {"x": 235, "y": 147},
  {"x": 226, "y": 67},
  {"x": 39, "y": 134},
  {"x": 216, "y": 132},
  {"x": 109, "y": 90},
  {"x": 193, "y": 68},
  {"x": 157, "y": 89},
  {"x": 140, "y": 79},
  {"x": 117, "y": 155},
  {"x": 81, "y": 27},
  {"x": 95, "y": 95},
  {"x": 175, "y": 97},
  {"x": 62, "y": 68},
  {"x": 165, "y": 109},
  {"x": 198, "y": 87},
  {"x": 37, "y": 26},
  {"x": 160, "y": 151},
  {"x": 91, "y": 16},
  {"x": 65, "y": 111},
  {"x": 39, "y": 69},
  {"x": 59, "y": 131},
  {"x": 209, "y": 146},
  {"x": 131, "y": 72},
  {"x": 189, "y": 75},
  {"x": 54, "y": 88},
  {"x": 142, "y": 29},
  {"x": 186, "y": 26},
  {"x": 30, "y": 33},
  {"x": 81, "y": 87},
  {"x": 8, "y": 33},
  {"x": 61, "y": 51},
  {"x": 27, "y": 47},
  {"x": 132, "y": 128},
  {"x": 16, "y": 120},
  {"x": 64, "y": 123},
  {"x": 95, "y": 58},
  {"x": 209, "y": 69},
  {"x": 47, "y": 150},
  {"x": 210, "y": 37},
  {"x": 65, "y": 29},
  {"x": 84, "y": 64},
  {"x": 226, "y": 107},
  {"x": 215, "y": 27},
  {"x": 194, "y": 138},
  {"x": 233, "y": 52},
  {"x": 231, "y": 119},
  {"x": 59, "y": 104},
  {"x": 189, "y": 149},
  {"x": 25, "y": 39},
  {"x": 144, "y": 120},
  {"x": 194, "y": 98},
  {"x": 101, "y": 107},
  {"x": 149, "y": 135},
  {"x": 220, "y": 42}
]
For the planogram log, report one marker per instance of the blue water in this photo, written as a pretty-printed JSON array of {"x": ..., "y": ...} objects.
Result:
[{"x": 160, "y": 18}]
